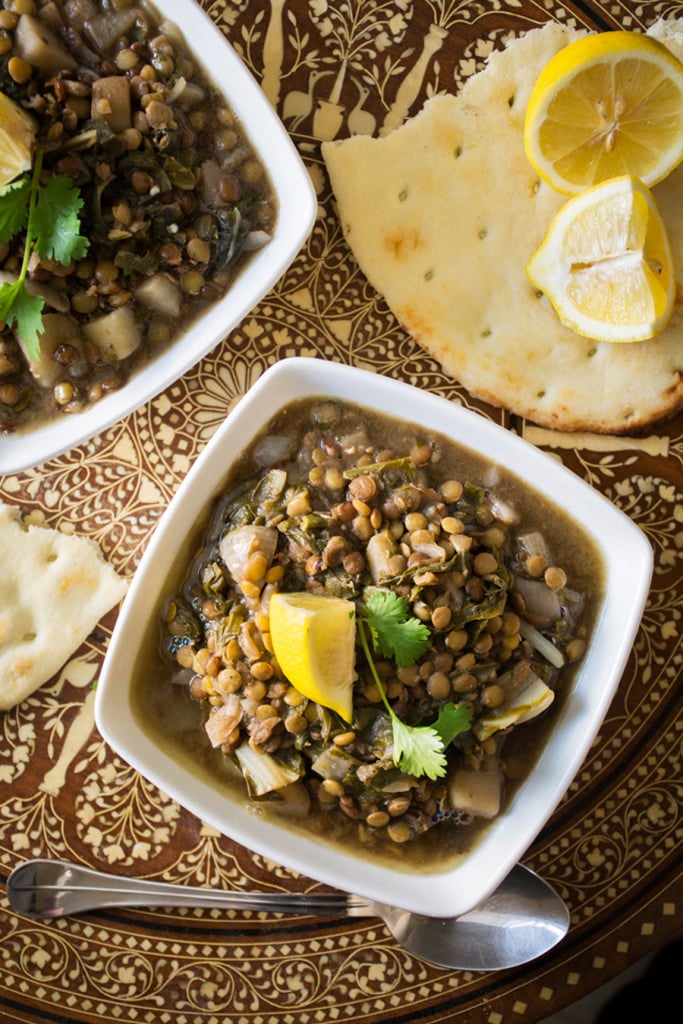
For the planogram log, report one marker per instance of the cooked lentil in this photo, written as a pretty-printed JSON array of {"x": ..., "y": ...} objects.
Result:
[
  {"x": 171, "y": 206},
  {"x": 477, "y": 652}
]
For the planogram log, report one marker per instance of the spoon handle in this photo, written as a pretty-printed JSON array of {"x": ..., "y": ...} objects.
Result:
[{"x": 48, "y": 888}]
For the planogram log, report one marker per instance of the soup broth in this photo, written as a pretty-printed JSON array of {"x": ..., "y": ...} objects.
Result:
[{"x": 343, "y": 502}]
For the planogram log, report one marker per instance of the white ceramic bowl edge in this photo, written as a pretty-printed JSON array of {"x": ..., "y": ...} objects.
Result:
[{"x": 628, "y": 561}]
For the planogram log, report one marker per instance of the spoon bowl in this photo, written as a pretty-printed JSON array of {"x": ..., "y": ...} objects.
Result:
[{"x": 520, "y": 921}]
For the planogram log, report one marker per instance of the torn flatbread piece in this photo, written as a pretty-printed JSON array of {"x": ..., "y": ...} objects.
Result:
[
  {"x": 443, "y": 215},
  {"x": 54, "y": 589}
]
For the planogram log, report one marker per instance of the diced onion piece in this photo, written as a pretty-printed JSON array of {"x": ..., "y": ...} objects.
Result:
[
  {"x": 550, "y": 652},
  {"x": 505, "y": 511},
  {"x": 237, "y": 546},
  {"x": 255, "y": 240},
  {"x": 531, "y": 701},
  {"x": 333, "y": 763},
  {"x": 539, "y": 600},
  {"x": 434, "y": 552},
  {"x": 223, "y": 721},
  {"x": 271, "y": 449},
  {"x": 534, "y": 543},
  {"x": 378, "y": 552},
  {"x": 262, "y": 772},
  {"x": 190, "y": 96}
]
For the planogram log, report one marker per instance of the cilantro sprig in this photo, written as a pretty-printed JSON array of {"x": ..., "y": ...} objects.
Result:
[
  {"x": 385, "y": 628},
  {"x": 47, "y": 213}
]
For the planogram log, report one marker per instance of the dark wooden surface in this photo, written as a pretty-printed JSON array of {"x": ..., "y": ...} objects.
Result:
[{"x": 611, "y": 849}]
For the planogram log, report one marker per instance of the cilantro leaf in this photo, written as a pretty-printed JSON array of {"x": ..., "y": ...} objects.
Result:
[
  {"x": 395, "y": 634},
  {"x": 18, "y": 306},
  {"x": 55, "y": 221},
  {"x": 14, "y": 208},
  {"x": 418, "y": 750},
  {"x": 8, "y": 296},
  {"x": 27, "y": 311},
  {"x": 453, "y": 719},
  {"x": 49, "y": 216}
]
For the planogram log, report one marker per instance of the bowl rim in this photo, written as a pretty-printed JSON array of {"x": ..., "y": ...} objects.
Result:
[
  {"x": 297, "y": 208},
  {"x": 450, "y": 890}
]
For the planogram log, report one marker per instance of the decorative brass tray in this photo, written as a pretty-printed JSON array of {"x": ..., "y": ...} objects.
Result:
[{"x": 611, "y": 848}]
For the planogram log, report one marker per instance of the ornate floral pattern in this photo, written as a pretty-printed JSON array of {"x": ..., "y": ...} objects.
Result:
[{"x": 331, "y": 69}]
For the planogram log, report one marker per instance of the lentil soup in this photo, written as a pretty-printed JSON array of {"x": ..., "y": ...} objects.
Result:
[
  {"x": 174, "y": 197},
  {"x": 338, "y": 500}
]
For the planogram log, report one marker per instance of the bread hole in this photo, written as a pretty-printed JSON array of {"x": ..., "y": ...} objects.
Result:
[{"x": 541, "y": 393}]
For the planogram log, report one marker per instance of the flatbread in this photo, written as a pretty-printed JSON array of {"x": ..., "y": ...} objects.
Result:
[
  {"x": 54, "y": 589},
  {"x": 443, "y": 214}
]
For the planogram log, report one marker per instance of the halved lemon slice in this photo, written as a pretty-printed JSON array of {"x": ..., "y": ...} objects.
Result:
[
  {"x": 605, "y": 263},
  {"x": 314, "y": 641},
  {"x": 17, "y": 139},
  {"x": 608, "y": 104}
]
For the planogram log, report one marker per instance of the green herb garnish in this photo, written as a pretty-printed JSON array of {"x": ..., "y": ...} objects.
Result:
[
  {"x": 418, "y": 749},
  {"x": 48, "y": 215},
  {"x": 395, "y": 634}
]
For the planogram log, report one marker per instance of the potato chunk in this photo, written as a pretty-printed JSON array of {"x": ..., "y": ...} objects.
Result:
[
  {"x": 115, "y": 334},
  {"x": 110, "y": 102},
  {"x": 476, "y": 793},
  {"x": 35, "y": 43}
]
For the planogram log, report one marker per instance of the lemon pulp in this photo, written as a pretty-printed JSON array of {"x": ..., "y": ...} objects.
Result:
[
  {"x": 314, "y": 639},
  {"x": 17, "y": 138},
  {"x": 606, "y": 105},
  {"x": 605, "y": 263}
]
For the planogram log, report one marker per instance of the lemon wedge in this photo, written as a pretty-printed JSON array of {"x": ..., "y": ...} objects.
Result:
[
  {"x": 607, "y": 104},
  {"x": 605, "y": 263},
  {"x": 314, "y": 641},
  {"x": 17, "y": 138}
]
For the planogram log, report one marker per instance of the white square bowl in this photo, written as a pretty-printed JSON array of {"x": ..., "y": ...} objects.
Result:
[
  {"x": 447, "y": 891},
  {"x": 297, "y": 207}
]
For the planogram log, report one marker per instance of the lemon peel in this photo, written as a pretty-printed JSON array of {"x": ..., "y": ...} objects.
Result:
[
  {"x": 608, "y": 104},
  {"x": 17, "y": 140},
  {"x": 606, "y": 264},
  {"x": 313, "y": 638}
]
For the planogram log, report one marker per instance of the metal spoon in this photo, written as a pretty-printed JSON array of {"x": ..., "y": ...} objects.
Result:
[{"x": 520, "y": 921}]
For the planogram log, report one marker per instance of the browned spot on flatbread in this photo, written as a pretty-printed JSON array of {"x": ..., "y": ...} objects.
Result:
[
  {"x": 401, "y": 243},
  {"x": 416, "y": 323},
  {"x": 23, "y": 667}
]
